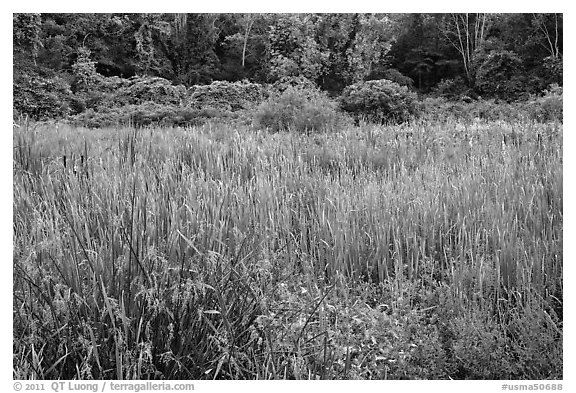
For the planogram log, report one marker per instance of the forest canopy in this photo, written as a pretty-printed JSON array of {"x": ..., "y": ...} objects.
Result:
[{"x": 501, "y": 56}]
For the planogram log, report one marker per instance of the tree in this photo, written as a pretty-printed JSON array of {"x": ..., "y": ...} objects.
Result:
[
  {"x": 84, "y": 69},
  {"x": 549, "y": 25},
  {"x": 467, "y": 33},
  {"x": 334, "y": 50},
  {"x": 293, "y": 49},
  {"x": 190, "y": 48},
  {"x": 501, "y": 74},
  {"x": 331, "y": 50},
  {"x": 420, "y": 50},
  {"x": 26, "y": 36},
  {"x": 371, "y": 43},
  {"x": 242, "y": 46},
  {"x": 152, "y": 32}
]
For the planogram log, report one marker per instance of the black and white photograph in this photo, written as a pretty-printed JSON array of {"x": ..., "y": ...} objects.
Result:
[{"x": 287, "y": 196}]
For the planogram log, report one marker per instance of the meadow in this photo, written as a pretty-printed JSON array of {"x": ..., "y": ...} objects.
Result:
[{"x": 429, "y": 250}]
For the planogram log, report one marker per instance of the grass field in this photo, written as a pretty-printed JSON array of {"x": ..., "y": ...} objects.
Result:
[{"x": 423, "y": 251}]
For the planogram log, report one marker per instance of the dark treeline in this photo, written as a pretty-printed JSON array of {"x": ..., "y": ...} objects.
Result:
[{"x": 496, "y": 55}]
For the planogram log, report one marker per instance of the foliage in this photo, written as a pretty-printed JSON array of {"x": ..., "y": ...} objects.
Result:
[
  {"x": 298, "y": 110},
  {"x": 118, "y": 101},
  {"x": 548, "y": 28},
  {"x": 453, "y": 89},
  {"x": 245, "y": 43},
  {"x": 500, "y": 75},
  {"x": 191, "y": 48},
  {"x": 545, "y": 108},
  {"x": 332, "y": 50},
  {"x": 372, "y": 42},
  {"x": 109, "y": 37},
  {"x": 305, "y": 85},
  {"x": 379, "y": 101},
  {"x": 420, "y": 53},
  {"x": 293, "y": 49},
  {"x": 41, "y": 96},
  {"x": 549, "y": 107},
  {"x": 554, "y": 70},
  {"x": 228, "y": 96},
  {"x": 396, "y": 76},
  {"x": 467, "y": 33},
  {"x": 147, "y": 113},
  {"x": 84, "y": 71},
  {"x": 108, "y": 95},
  {"x": 105, "y": 93},
  {"x": 145, "y": 89},
  {"x": 152, "y": 29},
  {"x": 26, "y": 36},
  {"x": 77, "y": 104}
]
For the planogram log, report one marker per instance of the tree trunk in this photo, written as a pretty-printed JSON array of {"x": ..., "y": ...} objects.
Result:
[{"x": 246, "y": 35}]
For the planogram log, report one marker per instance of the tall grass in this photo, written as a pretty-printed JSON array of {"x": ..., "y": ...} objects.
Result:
[{"x": 221, "y": 252}]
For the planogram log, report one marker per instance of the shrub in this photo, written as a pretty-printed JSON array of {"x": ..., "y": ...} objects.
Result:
[
  {"x": 138, "y": 115},
  {"x": 295, "y": 109},
  {"x": 147, "y": 113},
  {"x": 541, "y": 109},
  {"x": 500, "y": 75},
  {"x": 103, "y": 94},
  {"x": 227, "y": 96},
  {"x": 440, "y": 108},
  {"x": 554, "y": 69},
  {"x": 77, "y": 104},
  {"x": 379, "y": 101},
  {"x": 452, "y": 88},
  {"x": 84, "y": 71},
  {"x": 295, "y": 82},
  {"x": 152, "y": 113},
  {"x": 192, "y": 116},
  {"x": 394, "y": 75},
  {"x": 549, "y": 107},
  {"x": 41, "y": 96},
  {"x": 139, "y": 90},
  {"x": 95, "y": 99},
  {"x": 114, "y": 84}
]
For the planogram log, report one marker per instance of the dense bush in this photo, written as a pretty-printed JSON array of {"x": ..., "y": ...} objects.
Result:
[
  {"x": 227, "y": 96},
  {"x": 77, "y": 104},
  {"x": 150, "y": 100},
  {"x": 544, "y": 108},
  {"x": 145, "y": 114},
  {"x": 299, "y": 110},
  {"x": 554, "y": 69},
  {"x": 114, "y": 84},
  {"x": 144, "y": 89},
  {"x": 84, "y": 72},
  {"x": 379, "y": 101},
  {"x": 501, "y": 75},
  {"x": 101, "y": 95},
  {"x": 41, "y": 96},
  {"x": 454, "y": 89},
  {"x": 440, "y": 108},
  {"x": 549, "y": 106},
  {"x": 295, "y": 82},
  {"x": 49, "y": 96},
  {"x": 396, "y": 76}
]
